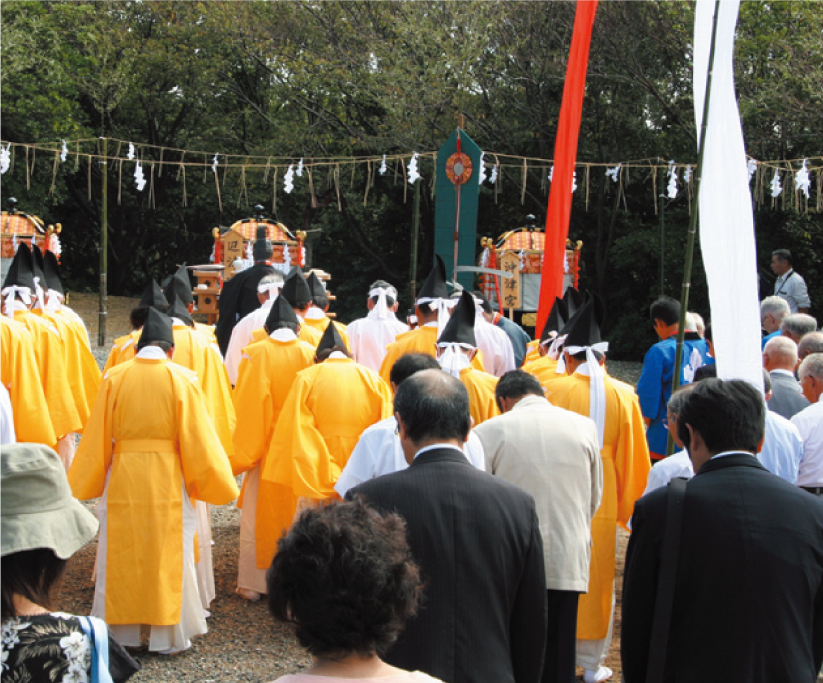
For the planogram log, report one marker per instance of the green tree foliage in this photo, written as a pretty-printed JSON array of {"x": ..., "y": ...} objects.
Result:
[{"x": 344, "y": 79}]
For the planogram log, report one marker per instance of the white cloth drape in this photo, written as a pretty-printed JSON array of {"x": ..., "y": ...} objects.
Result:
[{"x": 725, "y": 203}]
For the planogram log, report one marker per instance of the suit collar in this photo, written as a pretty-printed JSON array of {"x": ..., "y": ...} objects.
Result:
[
  {"x": 741, "y": 459},
  {"x": 446, "y": 454}
]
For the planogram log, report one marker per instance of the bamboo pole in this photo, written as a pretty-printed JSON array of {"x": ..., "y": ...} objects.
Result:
[
  {"x": 104, "y": 247},
  {"x": 687, "y": 268},
  {"x": 415, "y": 233}
]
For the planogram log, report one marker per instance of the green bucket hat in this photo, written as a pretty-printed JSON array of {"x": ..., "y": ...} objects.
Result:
[{"x": 37, "y": 509}]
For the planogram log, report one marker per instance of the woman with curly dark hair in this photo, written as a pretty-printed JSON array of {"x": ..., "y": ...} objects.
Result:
[{"x": 345, "y": 578}]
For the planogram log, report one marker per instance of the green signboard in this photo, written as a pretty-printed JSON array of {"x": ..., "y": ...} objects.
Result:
[{"x": 458, "y": 170}]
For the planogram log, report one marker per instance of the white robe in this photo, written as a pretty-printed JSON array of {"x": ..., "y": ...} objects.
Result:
[
  {"x": 369, "y": 337},
  {"x": 494, "y": 343},
  {"x": 241, "y": 337}
]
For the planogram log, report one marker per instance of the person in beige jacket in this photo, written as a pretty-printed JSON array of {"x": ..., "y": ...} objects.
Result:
[{"x": 552, "y": 454}]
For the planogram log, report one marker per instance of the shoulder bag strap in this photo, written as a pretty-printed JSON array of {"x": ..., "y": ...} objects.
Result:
[
  {"x": 783, "y": 284},
  {"x": 666, "y": 581},
  {"x": 98, "y": 632}
]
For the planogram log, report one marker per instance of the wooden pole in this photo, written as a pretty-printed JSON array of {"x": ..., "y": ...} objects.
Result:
[
  {"x": 687, "y": 268},
  {"x": 104, "y": 245}
]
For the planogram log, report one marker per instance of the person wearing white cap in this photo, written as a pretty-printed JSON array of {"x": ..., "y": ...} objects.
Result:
[
  {"x": 370, "y": 336},
  {"x": 241, "y": 336},
  {"x": 147, "y": 450},
  {"x": 589, "y": 391},
  {"x": 43, "y": 525}
]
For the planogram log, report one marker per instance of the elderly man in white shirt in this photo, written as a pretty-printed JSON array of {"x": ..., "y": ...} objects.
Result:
[
  {"x": 241, "y": 336},
  {"x": 789, "y": 284},
  {"x": 809, "y": 423},
  {"x": 379, "y": 451},
  {"x": 369, "y": 336}
]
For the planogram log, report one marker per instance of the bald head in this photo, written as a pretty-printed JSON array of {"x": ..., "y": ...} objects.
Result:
[
  {"x": 810, "y": 343},
  {"x": 780, "y": 353}
]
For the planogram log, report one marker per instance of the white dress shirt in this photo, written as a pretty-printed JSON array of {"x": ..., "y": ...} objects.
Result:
[
  {"x": 809, "y": 423},
  {"x": 792, "y": 287},
  {"x": 379, "y": 452}
]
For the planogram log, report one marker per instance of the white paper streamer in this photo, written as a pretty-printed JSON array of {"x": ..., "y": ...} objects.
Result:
[
  {"x": 481, "y": 177},
  {"x": 751, "y": 168},
  {"x": 801, "y": 180},
  {"x": 777, "y": 188},
  {"x": 130, "y": 154},
  {"x": 614, "y": 173},
  {"x": 300, "y": 168},
  {"x": 493, "y": 178},
  {"x": 687, "y": 174},
  {"x": 139, "y": 178},
  {"x": 214, "y": 163},
  {"x": 414, "y": 176},
  {"x": 671, "y": 188},
  {"x": 383, "y": 167},
  {"x": 286, "y": 254},
  {"x": 5, "y": 158},
  {"x": 64, "y": 152},
  {"x": 288, "y": 179}
]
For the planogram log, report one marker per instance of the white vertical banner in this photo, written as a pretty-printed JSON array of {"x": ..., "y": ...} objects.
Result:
[{"x": 725, "y": 203}]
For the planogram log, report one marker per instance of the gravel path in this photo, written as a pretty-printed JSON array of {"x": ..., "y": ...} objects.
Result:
[{"x": 243, "y": 643}]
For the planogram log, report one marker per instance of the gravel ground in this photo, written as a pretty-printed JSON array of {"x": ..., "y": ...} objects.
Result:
[{"x": 243, "y": 643}]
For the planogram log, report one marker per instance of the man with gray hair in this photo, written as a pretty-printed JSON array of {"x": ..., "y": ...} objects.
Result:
[
  {"x": 811, "y": 343},
  {"x": 809, "y": 423},
  {"x": 369, "y": 336},
  {"x": 798, "y": 325},
  {"x": 780, "y": 360},
  {"x": 789, "y": 284},
  {"x": 772, "y": 311},
  {"x": 241, "y": 336}
]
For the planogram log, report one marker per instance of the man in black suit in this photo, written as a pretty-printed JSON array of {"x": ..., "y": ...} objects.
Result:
[
  {"x": 748, "y": 592},
  {"x": 476, "y": 539}
]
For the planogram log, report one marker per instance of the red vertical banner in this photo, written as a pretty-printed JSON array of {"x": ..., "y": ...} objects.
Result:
[{"x": 565, "y": 155}]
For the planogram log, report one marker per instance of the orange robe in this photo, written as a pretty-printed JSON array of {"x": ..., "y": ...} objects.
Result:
[
  {"x": 267, "y": 372},
  {"x": 81, "y": 367},
  {"x": 123, "y": 349},
  {"x": 625, "y": 471},
  {"x": 320, "y": 324},
  {"x": 328, "y": 407},
  {"x": 151, "y": 414},
  {"x": 421, "y": 340},
  {"x": 48, "y": 349},
  {"x": 307, "y": 334},
  {"x": 19, "y": 374},
  {"x": 543, "y": 368},
  {"x": 480, "y": 386},
  {"x": 193, "y": 352}
]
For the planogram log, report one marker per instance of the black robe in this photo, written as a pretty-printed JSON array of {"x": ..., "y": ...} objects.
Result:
[{"x": 238, "y": 299}]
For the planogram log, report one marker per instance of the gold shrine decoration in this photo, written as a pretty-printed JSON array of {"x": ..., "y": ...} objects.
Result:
[{"x": 511, "y": 296}]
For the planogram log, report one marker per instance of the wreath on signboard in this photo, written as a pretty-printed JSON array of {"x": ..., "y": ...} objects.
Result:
[{"x": 459, "y": 168}]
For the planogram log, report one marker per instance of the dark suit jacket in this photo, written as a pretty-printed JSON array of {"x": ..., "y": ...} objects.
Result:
[
  {"x": 748, "y": 603},
  {"x": 478, "y": 544},
  {"x": 787, "y": 396},
  {"x": 238, "y": 298}
]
